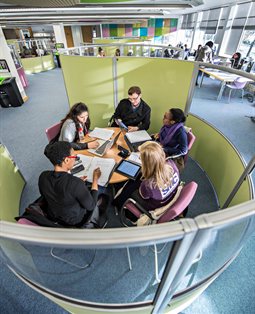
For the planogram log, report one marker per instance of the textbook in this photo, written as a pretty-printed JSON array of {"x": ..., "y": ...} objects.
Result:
[{"x": 106, "y": 166}]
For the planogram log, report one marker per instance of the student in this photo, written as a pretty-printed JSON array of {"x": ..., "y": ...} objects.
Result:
[
  {"x": 133, "y": 111},
  {"x": 172, "y": 136},
  {"x": 206, "y": 53},
  {"x": 117, "y": 52},
  {"x": 76, "y": 119},
  {"x": 158, "y": 182},
  {"x": 69, "y": 202},
  {"x": 101, "y": 53}
]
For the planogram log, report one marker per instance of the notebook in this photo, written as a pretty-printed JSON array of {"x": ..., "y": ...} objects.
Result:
[{"x": 106, "y": 166}]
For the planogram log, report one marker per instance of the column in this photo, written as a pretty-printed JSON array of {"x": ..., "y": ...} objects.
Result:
[{"x": 60, "y": 34}]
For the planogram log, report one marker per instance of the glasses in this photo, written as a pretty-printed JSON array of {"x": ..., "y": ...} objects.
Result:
[
  {"x": 74, "y": 157},
  {"x": 134, "y": 98}
]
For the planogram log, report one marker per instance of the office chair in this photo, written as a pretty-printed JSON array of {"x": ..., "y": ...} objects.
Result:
[
  {"x": 24, "y": 221},
  {"x": 171, "y": 212},
  {"x": 238, "y": 84},
  {"x": 53, "y": 131}
]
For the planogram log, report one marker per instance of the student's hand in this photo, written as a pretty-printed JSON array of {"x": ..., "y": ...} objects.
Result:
[
  {"x": 156, "y": 136},
  {"x": 133, "y": 128},
  {"x": 93, "y": 144},
  {"x": 84, "y": 178},
  {"x": 96, "y": 174}
]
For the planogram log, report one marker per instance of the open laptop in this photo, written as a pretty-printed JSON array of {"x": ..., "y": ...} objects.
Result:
[{"x": 104, "y": 146}]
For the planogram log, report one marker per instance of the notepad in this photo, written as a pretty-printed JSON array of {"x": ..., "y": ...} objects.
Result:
[
  {"x": 104, "y": 134},
  {"x": 106, "y": 166}
]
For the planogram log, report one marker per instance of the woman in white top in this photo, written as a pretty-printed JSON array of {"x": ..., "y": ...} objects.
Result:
[{"x": 77, "y": 120}]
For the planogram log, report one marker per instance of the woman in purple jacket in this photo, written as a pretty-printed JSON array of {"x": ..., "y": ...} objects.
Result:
[{"x": 158, "y": 182}]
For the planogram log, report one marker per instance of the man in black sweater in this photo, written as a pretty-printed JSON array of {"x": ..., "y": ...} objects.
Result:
[
  {"x": 133, "y": 111},
  {"x": 69, "y": 201}
]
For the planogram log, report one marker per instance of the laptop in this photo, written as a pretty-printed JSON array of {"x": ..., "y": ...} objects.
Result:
[
  {"x": 104, "y": 146},
  {"x": 135, "y": 139}
]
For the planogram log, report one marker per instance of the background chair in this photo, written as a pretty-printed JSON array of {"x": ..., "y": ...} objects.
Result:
[
  {"x": 52, "y": 131},
  {"x": 178, "y": 208},
  {"x": 238, "y": 84}
]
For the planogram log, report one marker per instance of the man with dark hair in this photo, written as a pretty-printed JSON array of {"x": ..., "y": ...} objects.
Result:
[
  {"x": 69, "y": 202},
  {"x": 133, "y": 111}
]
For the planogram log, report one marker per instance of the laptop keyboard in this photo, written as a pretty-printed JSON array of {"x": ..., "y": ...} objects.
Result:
[{"x": 100, "y": 149}]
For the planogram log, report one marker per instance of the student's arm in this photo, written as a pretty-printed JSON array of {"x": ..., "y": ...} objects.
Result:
[
  {"x": 68, "y": 133},
  {"x": 145, "y": 124},
  {"x": 181, "y": 147},
  {"x": 86, "y": 198},
  {"x": 144, "y": 190},
  {"x": 118, "y": 111}
]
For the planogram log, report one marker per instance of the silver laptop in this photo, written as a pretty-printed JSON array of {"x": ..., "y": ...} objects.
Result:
[{"x": 104, "y": 146}]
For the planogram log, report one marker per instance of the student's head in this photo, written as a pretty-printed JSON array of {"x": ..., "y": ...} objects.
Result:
[
  {"x": 174, "y": 115},
  {"x": 79, "y": 113},
  {"x": 134, "y": 95},
  {"x": 117, "y": 52},
  {"x": 154, "y": 165},
  {"x": 209, "y": 44},
  {"x": 60, "y": 154}
]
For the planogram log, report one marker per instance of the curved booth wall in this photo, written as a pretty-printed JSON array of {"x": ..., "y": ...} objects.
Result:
[
  {"x": 190, "y": 253},
  {"x": 38, "y": 64}
]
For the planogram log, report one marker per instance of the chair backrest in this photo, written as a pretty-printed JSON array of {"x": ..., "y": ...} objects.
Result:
[
  {"x": 181, "y": 203},
  {"x": 52, "y": 131},
  {"x": 191, "y": 140},
  {"x": 24, "y": 221},
  {"x": 240, "y": 82}
]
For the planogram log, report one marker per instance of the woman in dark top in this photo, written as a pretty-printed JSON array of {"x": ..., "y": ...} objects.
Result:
[
  {"x": 172, "y": 135},
  {"x": 77, "y": 120}
]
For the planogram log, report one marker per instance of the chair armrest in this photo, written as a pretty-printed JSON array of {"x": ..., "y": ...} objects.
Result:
[{"x": 138, "y": 206}]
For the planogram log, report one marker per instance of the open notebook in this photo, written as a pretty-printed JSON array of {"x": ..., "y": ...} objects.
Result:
[{"x": 90, "y": 163}]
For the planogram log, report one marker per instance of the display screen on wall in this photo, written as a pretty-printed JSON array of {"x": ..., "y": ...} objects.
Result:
[
  {"x": 59, "y": 45},
  {"x": 4, "y": 66}
]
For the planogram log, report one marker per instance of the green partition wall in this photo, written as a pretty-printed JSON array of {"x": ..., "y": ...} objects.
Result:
[
  {"x": 38, "y": 64},
  {"x": 90, "y": 80},
  {"x": 11, "y": 186},
  {"x": 164, "y": 83},
  {"x": 217, "y": 156}
]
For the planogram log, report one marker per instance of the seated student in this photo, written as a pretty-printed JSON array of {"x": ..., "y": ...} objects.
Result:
[
  {"x": 157, "y": 183},
  {"x": 68, "y": 200},
  {"x": 133, "y": 111},
  {"x": 172, "y": 135},
  {"x": 76, "y": 119}
]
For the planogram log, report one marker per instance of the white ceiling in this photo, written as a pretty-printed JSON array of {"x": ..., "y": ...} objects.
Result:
[{"x": 70, "y": 12}]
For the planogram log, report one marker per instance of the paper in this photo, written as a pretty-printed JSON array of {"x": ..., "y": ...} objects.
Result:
[
  {"x": 106, "y": 166},
  {"x": 104, "y": 134},
  {"x": 135, "y": 157},
  {"x": 138, "y": 136}
]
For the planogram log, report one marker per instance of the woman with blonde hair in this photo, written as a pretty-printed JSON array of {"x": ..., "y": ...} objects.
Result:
[{"x": 158, "y": 181}]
